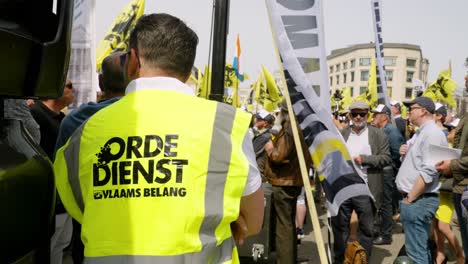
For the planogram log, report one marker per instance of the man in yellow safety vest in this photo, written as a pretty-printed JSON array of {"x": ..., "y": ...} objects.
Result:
[{"x": 161, "y": 176}]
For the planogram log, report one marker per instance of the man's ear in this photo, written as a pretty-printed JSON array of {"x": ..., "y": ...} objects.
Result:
[{"x": 133, "y": 64}]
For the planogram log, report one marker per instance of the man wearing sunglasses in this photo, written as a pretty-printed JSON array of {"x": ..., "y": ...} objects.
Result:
[
  {"x": 161, "y": 176},
  {"x": 418, "y": 179},
  {"x": 369, "y": 149}
]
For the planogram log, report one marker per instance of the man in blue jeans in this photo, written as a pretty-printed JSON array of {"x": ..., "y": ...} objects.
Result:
[{"x": 418, "y": 180}]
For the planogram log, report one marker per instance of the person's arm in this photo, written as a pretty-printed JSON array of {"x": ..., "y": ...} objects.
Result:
[
  {"x": 382, "y": 157},
  {"x": 251, "y": 208},
  {"x": 419, "y": 188},
  {"x": 251, "y": 212}
]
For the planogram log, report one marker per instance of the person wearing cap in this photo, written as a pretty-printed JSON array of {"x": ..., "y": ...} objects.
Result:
[
  {"x": 369, "y": 149},
  {"x": 283, "y": 172},
  {"x": 400, "y": 122},
  {"x": 458, "y": 169},
  {"x": 263, "y": 123},
  {"x": 390, "y": 201},
  {"x": 418, "y": 180},
  {"x": 440, "y": 115}
]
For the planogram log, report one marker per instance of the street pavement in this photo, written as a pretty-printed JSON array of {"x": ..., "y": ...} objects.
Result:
[
  {"x": 386, "y": 254},
  {"x": 308, "y": 253}
]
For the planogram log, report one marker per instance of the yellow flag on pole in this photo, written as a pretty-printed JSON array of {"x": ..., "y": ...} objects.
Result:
[
  {"x": 372, "y": 96},
  {"x": 118, "y": 35}
]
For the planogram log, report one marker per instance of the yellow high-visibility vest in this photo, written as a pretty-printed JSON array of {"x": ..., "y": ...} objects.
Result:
[{"x": 156, "y": 177}]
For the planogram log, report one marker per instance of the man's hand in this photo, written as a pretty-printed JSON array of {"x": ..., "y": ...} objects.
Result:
[
  {"x": 239, "y": 230},
  {"x": 269, "y": 147},
  {"x": 443, "y": 167},
  {"x": 403, "y": 149},
  {"x": 358, "y": 160}
]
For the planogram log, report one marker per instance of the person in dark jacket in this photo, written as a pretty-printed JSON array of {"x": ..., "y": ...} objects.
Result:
[
  {"x": 391, "y": 196},
  {"x": 263, "y": 123}
]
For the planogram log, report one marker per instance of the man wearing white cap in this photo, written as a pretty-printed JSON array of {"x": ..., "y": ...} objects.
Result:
[{"x": 390, "y": 200}]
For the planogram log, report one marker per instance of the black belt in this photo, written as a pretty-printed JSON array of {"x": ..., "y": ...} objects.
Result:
[{"x": 422, "y": 195}]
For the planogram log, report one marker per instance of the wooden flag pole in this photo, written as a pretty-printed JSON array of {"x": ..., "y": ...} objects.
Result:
[
  {"x": 304, "y": 173},
  {"x": 305, "y": 179}
]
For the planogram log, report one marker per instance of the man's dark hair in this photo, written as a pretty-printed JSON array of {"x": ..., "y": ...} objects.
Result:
[
  {"x": 112, "y": 76},
  {"x": 165, "y": 42}
]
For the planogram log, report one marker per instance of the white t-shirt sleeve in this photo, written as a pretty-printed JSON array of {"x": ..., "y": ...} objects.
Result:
[{"x": 254, "y": 180}]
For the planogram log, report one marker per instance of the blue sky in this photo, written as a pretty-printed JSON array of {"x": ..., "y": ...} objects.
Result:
[{"x": 439, "y": 27}]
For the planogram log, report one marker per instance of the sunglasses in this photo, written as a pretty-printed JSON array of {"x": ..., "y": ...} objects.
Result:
[
  {"x": 123, "y": 58},
  {"x": 69, "y": 85},
  {"x": 358, "y": 114}
]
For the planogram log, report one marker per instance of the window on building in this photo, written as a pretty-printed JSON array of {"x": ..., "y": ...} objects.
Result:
[
  {"x": 331, "y": 80},
  {"x": 344, "y": 77},
  {"x": 364, "y": 75},
  {"x": 352, "y": 76},
  {"x": 389, "y": 91},
  {"x": 389, "y": 75},
  {"x": 408, "y": 92},
  {"x": 390, "y": 61},
  {"x": 362, "y": 89},
  {"x": 337, "y": 79},
  {"x": 345, "y": 65},
  {"x": 337, "y": 67},
  {"x": 365, "y": 61},
  {"x": 410, "y": 63},
  {"x": 352, "y": 91},
  {"x": 331, "y": 69},
  {"x": 409, "y": 76},
  {"x": 352, "y": 63}
]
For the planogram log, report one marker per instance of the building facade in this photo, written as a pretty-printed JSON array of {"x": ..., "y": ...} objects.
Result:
[{"x": 350, "y": 67}]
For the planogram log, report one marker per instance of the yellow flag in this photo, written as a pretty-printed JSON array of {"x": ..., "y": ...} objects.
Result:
[
  {"x": 273, "y": 93},
  {"x": 372, "y": 97},
  {"x": 347, "y": 98},
  {"x": 118, "y": 35},
  {"x": 205, "y": 83},
  {"x": 442, "y": 89}
]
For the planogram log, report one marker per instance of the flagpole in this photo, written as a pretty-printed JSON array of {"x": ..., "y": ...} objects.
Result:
[
  {"x": 219, "y": 49},
  {"x": 300, "y": 155}
]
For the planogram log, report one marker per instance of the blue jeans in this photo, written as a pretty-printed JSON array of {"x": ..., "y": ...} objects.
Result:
[
  {"x": 462, "y": 222},
  {"x": 416, "y": 219}
]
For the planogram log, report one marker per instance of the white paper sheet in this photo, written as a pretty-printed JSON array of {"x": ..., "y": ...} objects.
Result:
[{"x": 439, "y": 153}]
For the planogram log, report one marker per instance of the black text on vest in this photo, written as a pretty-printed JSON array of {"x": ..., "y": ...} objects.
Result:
[{"x": 150, "y": 158}]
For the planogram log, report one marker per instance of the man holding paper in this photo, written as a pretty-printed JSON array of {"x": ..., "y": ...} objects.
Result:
[
  {"x": 418, "y": 179},
  {"x": 458, "y": 169}
]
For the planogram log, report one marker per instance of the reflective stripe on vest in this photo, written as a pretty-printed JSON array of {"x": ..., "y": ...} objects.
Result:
[
  {"x": 219, "y": 254},
  {"x": 217, "y": 172},
  {"x": 70, "y": 154}
]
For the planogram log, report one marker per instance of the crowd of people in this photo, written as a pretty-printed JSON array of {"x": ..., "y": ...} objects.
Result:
[{"x": 126, "y": 172}]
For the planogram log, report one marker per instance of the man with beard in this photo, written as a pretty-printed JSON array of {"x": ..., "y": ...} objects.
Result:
[{"x": 369, "y": 149}]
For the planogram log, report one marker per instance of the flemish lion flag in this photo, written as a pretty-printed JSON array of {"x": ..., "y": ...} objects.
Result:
[
  {"x": 117, "y": 37},
  {"x": 337, "y": 172}
]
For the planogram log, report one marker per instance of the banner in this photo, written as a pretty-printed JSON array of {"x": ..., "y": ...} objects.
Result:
[
  {"x": 332, "y": 161},
  {"x": 82, "y": 70},
  {"x": 379, "y": 55},
  {"x": 118, "y": 35}
]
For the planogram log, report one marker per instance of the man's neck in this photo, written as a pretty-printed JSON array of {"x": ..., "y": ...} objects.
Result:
[
  {"x": 53, "y": 105},
  {"x": 109, "y": 95},
  {"x": 357, "y": 130},
  {"x": 384, "y": 123}
]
